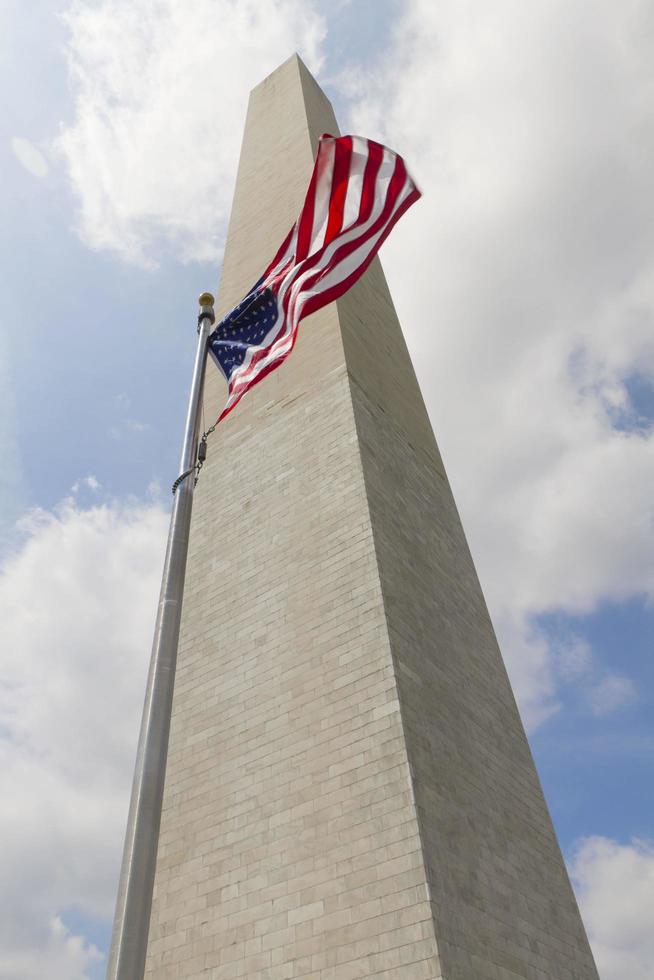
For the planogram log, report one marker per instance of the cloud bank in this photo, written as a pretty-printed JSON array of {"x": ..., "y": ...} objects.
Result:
[
  {"x": 30, "y": 157},
  {"x": 615, "y": 888},
  {"x": 524, "y": 280},
  {"x": 160, "y": 90},
  {"x": 77, "y": 604}
]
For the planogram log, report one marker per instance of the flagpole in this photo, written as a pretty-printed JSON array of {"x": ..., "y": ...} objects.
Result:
[{"x": 132, "y": 919}]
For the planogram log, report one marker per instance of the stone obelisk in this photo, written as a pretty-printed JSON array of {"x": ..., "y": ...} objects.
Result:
[{"x": 349, "y": 790}]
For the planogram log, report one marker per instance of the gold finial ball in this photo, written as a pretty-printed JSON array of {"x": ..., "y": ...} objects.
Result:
[{"x": 206, "y": 300}]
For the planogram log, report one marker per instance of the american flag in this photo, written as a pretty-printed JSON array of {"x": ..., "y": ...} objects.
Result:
[{"x": 358, "y": 190}]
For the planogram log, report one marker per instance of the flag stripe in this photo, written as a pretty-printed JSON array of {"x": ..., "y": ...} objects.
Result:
[
  {"x": 352, "y": 206},
  {"x": 323, "y": 203},
  {"x": 340, "y": 181},
  {"x": 305, "y": 221}
]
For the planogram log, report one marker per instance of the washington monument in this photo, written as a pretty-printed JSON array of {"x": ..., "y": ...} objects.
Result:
[{"x": 349, "y": 790}]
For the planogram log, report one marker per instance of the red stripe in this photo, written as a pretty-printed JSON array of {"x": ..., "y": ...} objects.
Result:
[
  {"x": 341, "y": 176},
  {"x": 368, "y": 191},
  {"x": 305, "y": 221}
]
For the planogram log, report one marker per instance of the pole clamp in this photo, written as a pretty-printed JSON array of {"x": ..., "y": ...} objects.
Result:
[
  {"x": 180, "y": 479},
  {"x": 206, "y": 315}
]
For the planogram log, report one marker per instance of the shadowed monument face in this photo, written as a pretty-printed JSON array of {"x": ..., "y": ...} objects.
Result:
[{"x": 349, "y": 790}]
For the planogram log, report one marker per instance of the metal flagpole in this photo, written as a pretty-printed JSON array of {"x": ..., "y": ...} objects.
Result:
[{"x": 132, "y": 919}]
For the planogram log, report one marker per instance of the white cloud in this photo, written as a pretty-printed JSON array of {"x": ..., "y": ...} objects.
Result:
[
  {"x": 128, "y": 427},
  {"x": 574, "y": 658},
  {"x": 63, "y": 956},
  {"x": 160, "y": 93},
  {"x": 77, "y": 604},
  {"x": 524, "y": 281},
  {"x": 90, "y": 482},
  {"x": 12, "y": 491},
  {"x": 31, "y": 158},
  {"x": 615, "y": 889},
  {"x": 612, "y": 693}
]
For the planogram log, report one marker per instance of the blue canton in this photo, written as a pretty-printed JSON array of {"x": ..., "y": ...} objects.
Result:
[{"x": 243, "y": 327}]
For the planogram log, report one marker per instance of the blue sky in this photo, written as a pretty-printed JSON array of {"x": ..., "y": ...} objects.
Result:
[{"x": 524, "y": 283}]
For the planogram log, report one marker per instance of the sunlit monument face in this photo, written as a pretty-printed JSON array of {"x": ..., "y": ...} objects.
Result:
[{"x": 349, "y": 790}]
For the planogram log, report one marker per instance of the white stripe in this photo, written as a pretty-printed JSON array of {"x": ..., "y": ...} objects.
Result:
[
  {"x": 358, "y": 162},
  {"x": 323, "y": 197}
]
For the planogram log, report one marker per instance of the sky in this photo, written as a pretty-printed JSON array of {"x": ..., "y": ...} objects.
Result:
[{"x": 524, "y": 283}]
